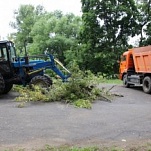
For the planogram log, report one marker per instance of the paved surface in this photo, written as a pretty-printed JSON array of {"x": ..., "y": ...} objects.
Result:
[{"x": 124, "y": 120}]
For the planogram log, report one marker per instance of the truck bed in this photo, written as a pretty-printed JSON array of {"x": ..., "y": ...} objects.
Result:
[{"x": 142, "y": 59}]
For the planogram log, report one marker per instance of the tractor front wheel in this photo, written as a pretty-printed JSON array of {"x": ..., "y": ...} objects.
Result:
[
  {"x": 41, "y": 81},
  {"x": 2, "y": 84}
]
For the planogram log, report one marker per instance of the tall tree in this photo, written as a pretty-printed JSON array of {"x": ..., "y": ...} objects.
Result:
[
  {"x": 107, "y": 25},
  {"x": 144, "y": 19},
  {"x": 53, "y": 30},
  {"x": 25, "y": 18},
  {"x": 56, "y": 32}
]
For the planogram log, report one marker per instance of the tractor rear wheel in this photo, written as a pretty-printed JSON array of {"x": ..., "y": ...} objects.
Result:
[
  {"x": 41, "y": 81},
  {"x": 7, "y": 88},
  {"x": 2, "y": 84}
]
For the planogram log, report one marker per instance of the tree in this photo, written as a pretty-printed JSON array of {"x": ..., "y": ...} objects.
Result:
[
  {"x": 57, "y": 32},
  {"x": 144, "y": 19},
  {"x": 54, "y": 30},
  {"x": 106, "y": 28},
  {"x": 26, "y": 17}
]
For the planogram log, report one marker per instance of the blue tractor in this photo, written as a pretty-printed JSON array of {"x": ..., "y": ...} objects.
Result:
[{"x": 25, "y": 70}]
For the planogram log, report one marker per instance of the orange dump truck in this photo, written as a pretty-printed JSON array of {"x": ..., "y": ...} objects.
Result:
[{"x": 135, "y": 68}]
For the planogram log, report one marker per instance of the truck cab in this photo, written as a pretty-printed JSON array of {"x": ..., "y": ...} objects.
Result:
[{"x": 126, "y": 64}]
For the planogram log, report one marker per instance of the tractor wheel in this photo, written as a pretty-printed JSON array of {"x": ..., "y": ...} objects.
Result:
[
  {"x": 7, "y": 88},
  {"x": 2, "y": 84},
  {"x": 147, "y": 84},
  {"x": 49, "y": 79},
  {"x": 41, "y": 81},
  {"x": 125, "y": 83}
]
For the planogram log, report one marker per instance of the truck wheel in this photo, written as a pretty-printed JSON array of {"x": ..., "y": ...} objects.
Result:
[
  {"x": 147, "y": 84},
  {"x": 125, "y": 83},
  {"x": 2, "y": 84},
  {"x": 41, "y": 81},
  {"x": 7, "y": 88}
]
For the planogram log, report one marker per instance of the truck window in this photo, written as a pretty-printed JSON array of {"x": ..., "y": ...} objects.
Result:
[
  {"x": 123, "y": 58},
  {"x": 131, "y": 57}
]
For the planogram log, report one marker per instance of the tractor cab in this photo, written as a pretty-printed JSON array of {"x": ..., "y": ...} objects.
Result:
[{"x": 7, "y": 54}]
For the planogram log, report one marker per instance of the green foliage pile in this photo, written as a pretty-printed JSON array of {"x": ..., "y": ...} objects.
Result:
[{"x": 81, "y": 90}]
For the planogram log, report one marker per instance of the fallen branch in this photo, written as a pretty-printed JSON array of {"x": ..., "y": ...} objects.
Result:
[
  {"x": 111, "y": 88},
  {"x": 105, "y": 98},
  {"x": 119, "y": 95}
]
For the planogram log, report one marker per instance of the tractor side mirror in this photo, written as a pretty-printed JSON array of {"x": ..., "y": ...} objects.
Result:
[{"x": 46, "y": 51}]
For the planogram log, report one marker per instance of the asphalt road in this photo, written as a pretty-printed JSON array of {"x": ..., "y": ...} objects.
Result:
[{"x": 123, "y": 121}]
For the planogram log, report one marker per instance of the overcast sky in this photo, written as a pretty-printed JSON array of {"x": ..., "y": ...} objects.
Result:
[{"x": 8, "y": 7}]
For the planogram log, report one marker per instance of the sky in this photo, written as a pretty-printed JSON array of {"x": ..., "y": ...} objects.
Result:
[{"x": 8, "y": 7}]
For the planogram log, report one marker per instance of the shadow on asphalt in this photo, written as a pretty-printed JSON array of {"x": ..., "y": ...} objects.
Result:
[
  {"x": 137, "y": 88},
  {"x": 11, "y": 95}
]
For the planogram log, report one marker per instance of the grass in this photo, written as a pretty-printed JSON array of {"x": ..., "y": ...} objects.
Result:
[
  {"x": 65, "y": 148},
  {"x": 146, "y": 147},
  {"x": 111, "y": 81}
]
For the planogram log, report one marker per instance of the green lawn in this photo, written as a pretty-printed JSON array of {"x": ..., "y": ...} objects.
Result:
[
  {"x": 111, "y": 81},
  {"x": 146, "y": 147}
]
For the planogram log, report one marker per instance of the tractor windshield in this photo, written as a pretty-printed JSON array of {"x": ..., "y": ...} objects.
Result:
[
  {"x": 3, "y": 53},
  {"x": 11, "y": 50},
  {"x": 12, "y": 53},
  {"x": 7, "y": 51}
]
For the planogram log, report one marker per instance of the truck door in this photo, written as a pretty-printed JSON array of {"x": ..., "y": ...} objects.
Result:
[
  {"x": 130, "y": 63},
  {"x": 122, "y": 65}
]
